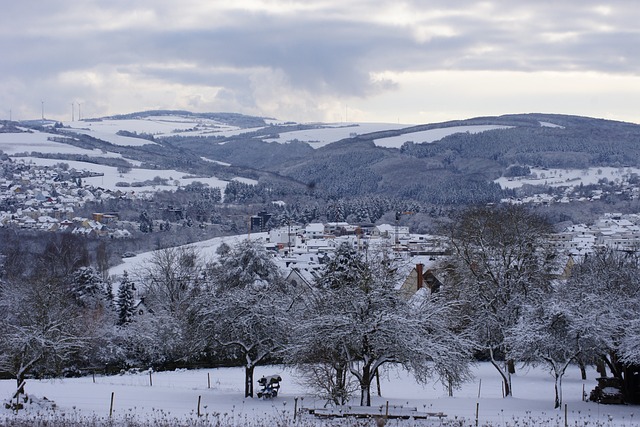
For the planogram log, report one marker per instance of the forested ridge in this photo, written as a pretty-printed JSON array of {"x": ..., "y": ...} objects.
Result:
[{"x": 458, "y": 169}]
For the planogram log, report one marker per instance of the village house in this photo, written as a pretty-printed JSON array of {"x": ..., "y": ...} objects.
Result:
[{"x": 419, "y": 275}]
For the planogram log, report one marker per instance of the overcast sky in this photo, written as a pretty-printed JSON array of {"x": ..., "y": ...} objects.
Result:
[{"x": 392, "y": 61}]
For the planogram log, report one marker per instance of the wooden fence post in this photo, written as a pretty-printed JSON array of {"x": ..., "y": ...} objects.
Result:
[
  {"x": 111, "y": 406},
  {"x": 199, "y": 398}
]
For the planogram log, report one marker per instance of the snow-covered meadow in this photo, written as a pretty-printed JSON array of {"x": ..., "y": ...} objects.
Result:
[
  {"x": 432, "y": 135},
  {"x": 568, "y": 177},
  {"x": 327, "y": 134},
  {"x": 25, "y": 143},
  {"x": 111, "y": 177},
  {"x": 176, "y": 394},
  {"x": 205, "y": 249},
  {"x": 21, "y": 145},
  {"x": 159, "y": 126}
]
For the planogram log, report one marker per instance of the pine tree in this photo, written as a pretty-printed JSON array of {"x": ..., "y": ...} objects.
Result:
[
  {"x": 86, "y": 285},
  {"x": 125, "y": 300}
]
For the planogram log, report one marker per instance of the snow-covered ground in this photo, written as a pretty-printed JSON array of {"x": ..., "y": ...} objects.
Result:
[
  {"x": 158, "y": 126},
  {"x": 25, "y": 143},
  {"x": 112, "y": 176},
  {"x": 432, "y": 135},
  {"x": 566, "y": 177},
  {"x": 177, "y": 393},
  {"x": 326, "y": 135},
  {"x": 206, "y": 249},
  {"x": 14, "y": 143},
  {"x": 333, "y": 132},
  {"x": 125, "y": 141}
]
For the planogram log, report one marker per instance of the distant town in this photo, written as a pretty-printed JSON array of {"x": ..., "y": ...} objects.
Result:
[{"x": 47, "y": 198}]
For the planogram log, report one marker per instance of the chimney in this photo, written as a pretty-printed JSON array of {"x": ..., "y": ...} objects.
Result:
[{"x": 420, "y": 280}]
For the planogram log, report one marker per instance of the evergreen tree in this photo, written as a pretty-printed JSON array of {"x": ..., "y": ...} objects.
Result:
[
  {"x": 86, "y": 286},
  {"x": 125, "y": 300}
]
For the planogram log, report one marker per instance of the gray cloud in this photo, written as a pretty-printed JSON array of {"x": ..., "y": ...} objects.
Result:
[{"x": 329, "y": 51}]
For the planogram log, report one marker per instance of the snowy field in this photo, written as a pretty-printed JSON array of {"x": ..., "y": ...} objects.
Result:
[
  {"x": 112, "y": 138},
  {"x": 176, "y": 394},
  {"x": 567, "y": 177},
  {"x": 329, "y": 133},
  {"x": 432, "y": 135},
  {"x": 158, "y": 126},
  {"x": 206, "y": 249},
  {"x": 14, "y": 143},
  {"x": 112, "y": 176},
  {"x": 320, "y": 137},
  {"x": 25, "y": 143}
]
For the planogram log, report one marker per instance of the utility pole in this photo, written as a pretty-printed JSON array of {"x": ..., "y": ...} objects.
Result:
[
  {"x": 42, "y": 102},
  {"x": 289, "y": 237}
]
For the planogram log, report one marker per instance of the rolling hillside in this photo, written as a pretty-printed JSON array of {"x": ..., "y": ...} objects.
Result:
[{"x": 450, "y": 163}]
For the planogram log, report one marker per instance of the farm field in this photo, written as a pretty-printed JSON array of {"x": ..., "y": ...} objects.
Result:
[{"x": 175, "y": 395}]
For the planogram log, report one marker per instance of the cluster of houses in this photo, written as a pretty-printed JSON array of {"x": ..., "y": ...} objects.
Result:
[
  {"x": 612, "y": 230},
  {"x": 45, "y": 198},
  {"x": 571, "y": 194},
  {"x": 301, "y": 250}
]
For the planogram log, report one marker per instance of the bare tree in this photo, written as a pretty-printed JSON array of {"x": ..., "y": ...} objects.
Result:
[
  {"x": 170, "y": 284},
  {"x": 500, "y": 261},
  {"x": 553, "y": 333},
  {"x": 171, "y": 277},
  {"x": 247, "y": 310},
  {"x": 41, "y": 328},
  {"x": 361, "y": 323},
  {"x": 606, "y": 284}
]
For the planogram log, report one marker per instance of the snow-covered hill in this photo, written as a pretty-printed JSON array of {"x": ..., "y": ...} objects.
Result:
[
  {"x": 319, "y": 135},
  {"x": 27, "y": 142},
  {"x": 182, "y": 147}
]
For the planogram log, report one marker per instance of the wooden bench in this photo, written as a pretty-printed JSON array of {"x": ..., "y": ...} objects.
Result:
[{"x": 385, "y": 411}]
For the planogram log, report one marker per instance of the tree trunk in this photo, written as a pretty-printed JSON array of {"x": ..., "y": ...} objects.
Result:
[
  {"x": 365, "y": 386},
  {"x": 511, "y": 366},
  {"x": 558, "y": 387},
  {"x": 506, "y": 377},
  {"x": 248, "y": 381},
  {"x": 340, "y": 393},
  {"x": 19, "y": 379},
  {"x": 583, "y": 370},
  {"x": 507, "y": 385}
]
